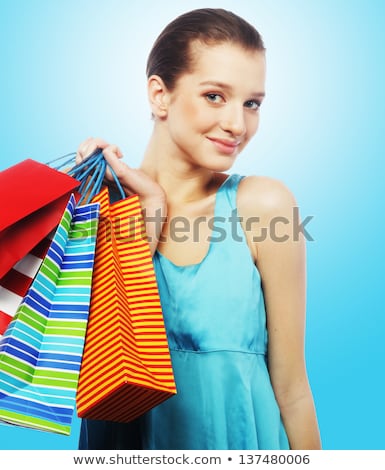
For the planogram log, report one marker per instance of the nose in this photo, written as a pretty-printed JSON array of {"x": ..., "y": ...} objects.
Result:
[{"x": 233, "y": 121}]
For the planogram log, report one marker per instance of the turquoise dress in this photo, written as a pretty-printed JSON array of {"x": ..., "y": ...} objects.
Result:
[{"x": 216, "y": 327}]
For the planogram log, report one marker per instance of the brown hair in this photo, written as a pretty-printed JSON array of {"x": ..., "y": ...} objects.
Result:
[{"x": 170, "y": 56}]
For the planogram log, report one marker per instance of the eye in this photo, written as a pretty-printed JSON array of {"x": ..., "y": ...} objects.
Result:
[
  {"x": 214, "y": 98},
  {"x": 253, "y": 104}
]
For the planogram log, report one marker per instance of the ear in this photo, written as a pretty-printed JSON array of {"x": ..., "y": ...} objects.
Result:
[{"x": 158, "y": 96}]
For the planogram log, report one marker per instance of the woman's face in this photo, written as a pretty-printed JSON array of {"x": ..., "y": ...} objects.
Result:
[{"x": 213, "y": 111}]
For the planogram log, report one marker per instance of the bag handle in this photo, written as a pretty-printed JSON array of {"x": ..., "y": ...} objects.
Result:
[{"x": 90, "y": 173}]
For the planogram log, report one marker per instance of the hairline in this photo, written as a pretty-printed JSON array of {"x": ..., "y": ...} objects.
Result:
[{"x": 213, "y": 42}]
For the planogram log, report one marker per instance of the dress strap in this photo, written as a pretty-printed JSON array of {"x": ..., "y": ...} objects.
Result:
[{"x": 227, "y": 194}]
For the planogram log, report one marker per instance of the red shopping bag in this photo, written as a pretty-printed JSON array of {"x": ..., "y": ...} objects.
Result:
[
  {"x": 15, "y": 283},
  {"x": 33, "y": 197}
]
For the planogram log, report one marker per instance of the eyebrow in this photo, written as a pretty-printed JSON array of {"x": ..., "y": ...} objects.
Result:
[{"x": 225, "y": 86}]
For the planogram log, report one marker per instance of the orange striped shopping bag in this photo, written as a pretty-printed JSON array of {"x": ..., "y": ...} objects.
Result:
[{"x": 126, "y": 367}]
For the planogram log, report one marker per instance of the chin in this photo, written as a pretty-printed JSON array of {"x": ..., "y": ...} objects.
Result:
[
  {"x": 216, "y": 162},
  {"x": 222, "y": 164}
]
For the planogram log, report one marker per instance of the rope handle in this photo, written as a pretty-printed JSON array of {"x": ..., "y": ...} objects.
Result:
[{"x": 90, "y": 173}]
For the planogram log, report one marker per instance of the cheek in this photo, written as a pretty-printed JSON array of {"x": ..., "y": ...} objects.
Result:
[
  {"x": 252, "y": 124},
  {"x": 196, "y": 121},
  {"x": 184, "y": 113}
]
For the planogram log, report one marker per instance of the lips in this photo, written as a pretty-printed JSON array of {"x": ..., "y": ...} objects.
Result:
[{"x": 225, "y": 146}]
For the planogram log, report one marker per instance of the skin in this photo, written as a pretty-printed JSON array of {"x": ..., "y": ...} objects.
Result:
[{"x": 200, "y": 128}]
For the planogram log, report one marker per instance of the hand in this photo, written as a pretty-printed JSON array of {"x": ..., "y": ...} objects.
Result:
[{"x": 134, "y": 181}]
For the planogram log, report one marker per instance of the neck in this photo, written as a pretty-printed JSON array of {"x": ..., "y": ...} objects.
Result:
[{"x": 182, "y": 181}]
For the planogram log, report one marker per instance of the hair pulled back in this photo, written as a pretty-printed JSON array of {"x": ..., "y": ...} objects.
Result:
[{"x": 171, "y": 56}]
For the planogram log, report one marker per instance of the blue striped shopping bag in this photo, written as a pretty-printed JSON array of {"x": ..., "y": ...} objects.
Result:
[{"x": 41, "y": 350}]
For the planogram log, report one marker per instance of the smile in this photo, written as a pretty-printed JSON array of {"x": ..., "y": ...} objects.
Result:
[{"x": 227, "y": 147}]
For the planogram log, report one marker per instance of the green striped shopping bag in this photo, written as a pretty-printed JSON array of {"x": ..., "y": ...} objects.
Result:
[{"x": 41, "y": 350}]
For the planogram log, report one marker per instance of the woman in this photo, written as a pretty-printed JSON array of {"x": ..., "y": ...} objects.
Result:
[{"x": 233, "y": 285}]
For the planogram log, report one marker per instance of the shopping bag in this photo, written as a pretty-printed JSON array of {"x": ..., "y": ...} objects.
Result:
[
  {"x": 126, "y": 366},
  {"x": 16, "y": 282},
  {"x": 40, "y": 352},
  {"x": 33, "y": 197}
]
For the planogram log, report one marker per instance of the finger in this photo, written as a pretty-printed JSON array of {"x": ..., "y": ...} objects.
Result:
[
  {"x": 113, "y": 156},
  {"x": 80, "y": 153},
  {"x": 113, "y": 150},
  {"x": 89, "y": 146},
  {"x": 111, "y": 153}
]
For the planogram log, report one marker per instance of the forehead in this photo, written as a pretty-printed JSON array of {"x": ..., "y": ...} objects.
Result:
[{"x": 226, "y": 62}]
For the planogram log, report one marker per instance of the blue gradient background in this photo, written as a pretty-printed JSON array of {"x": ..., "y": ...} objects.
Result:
[{"x": 76, "y": 68}]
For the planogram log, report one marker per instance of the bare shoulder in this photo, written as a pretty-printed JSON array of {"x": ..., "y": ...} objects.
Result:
[
  {"x": 264, "y": 196},
  {"x": 270, "y": 218}
]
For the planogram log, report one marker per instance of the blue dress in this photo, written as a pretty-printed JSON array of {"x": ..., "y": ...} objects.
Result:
[{"x": 216, "y": 327}]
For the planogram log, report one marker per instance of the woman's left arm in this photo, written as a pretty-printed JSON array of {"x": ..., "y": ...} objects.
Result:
[{"x": 280, "y": 258}]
